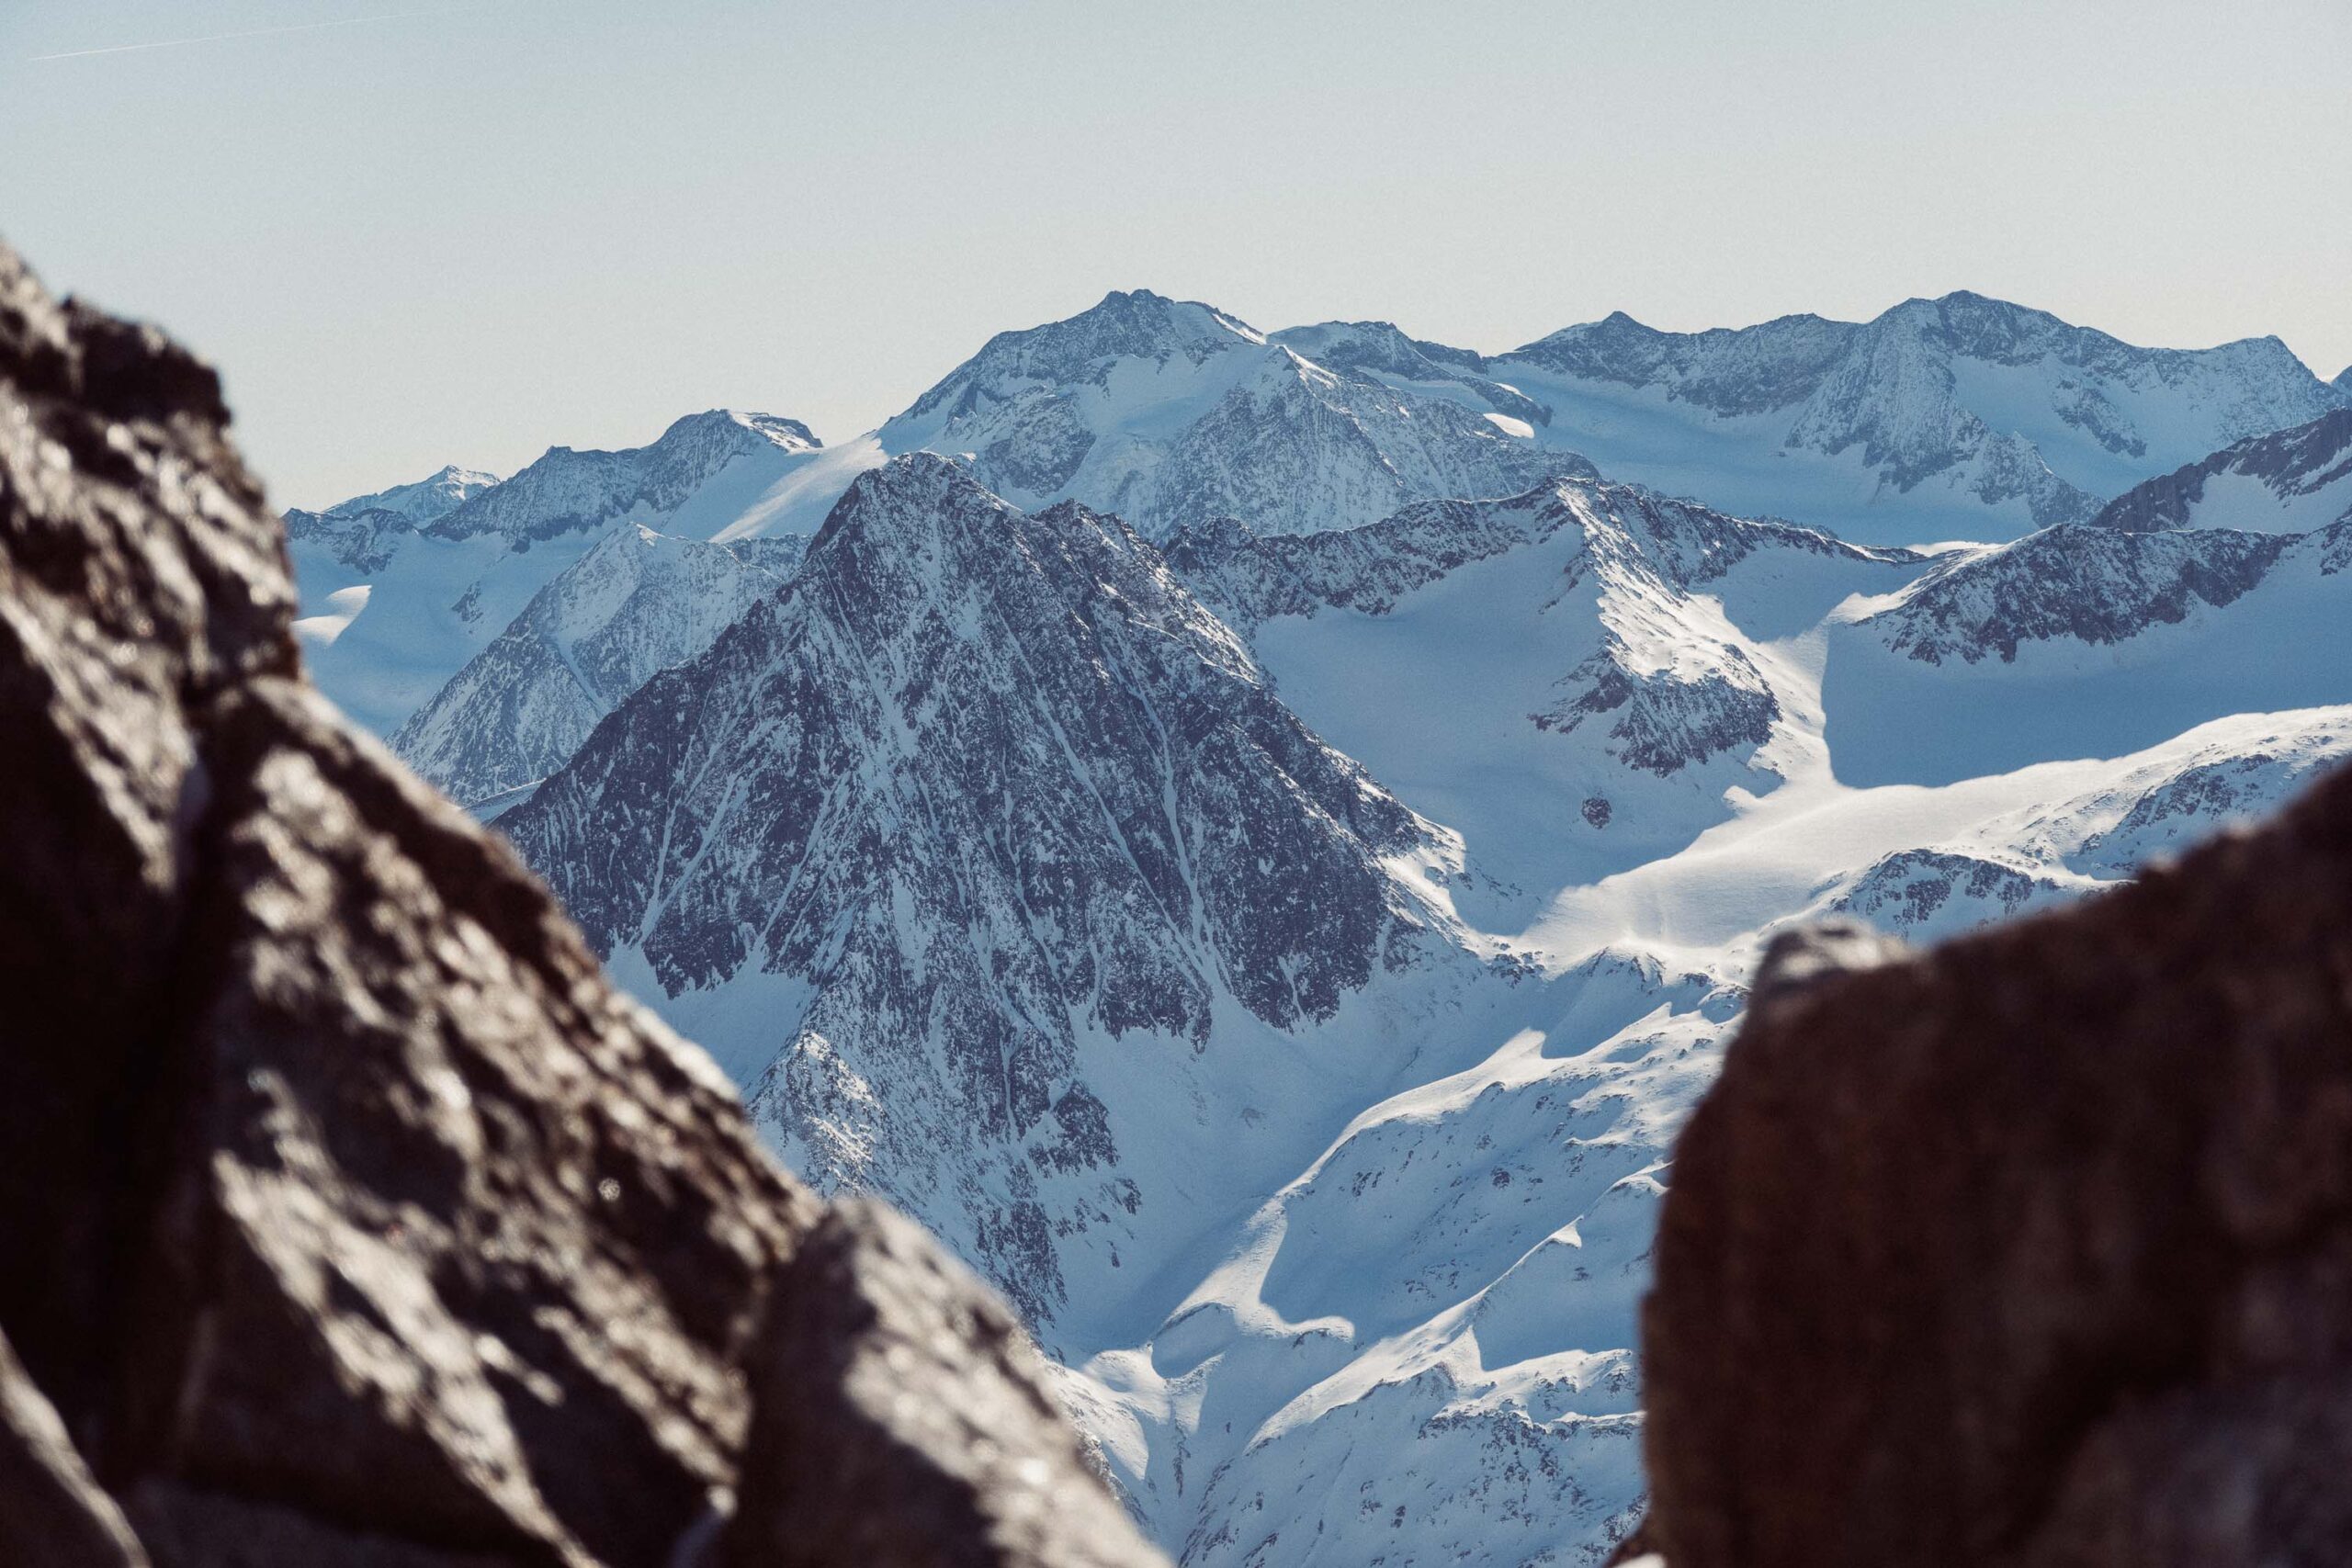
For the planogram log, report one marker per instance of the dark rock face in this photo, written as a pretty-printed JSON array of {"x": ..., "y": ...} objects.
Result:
[
  {"x": 2096, "y": 585},
  {"x": 872, "y": 1307},
  {"x": 1663, "y": 723},
  {"x": 2034, "y": 1249},
  {"x": 351, "y": 1216},
  {"x": 56, "y": 1516}
]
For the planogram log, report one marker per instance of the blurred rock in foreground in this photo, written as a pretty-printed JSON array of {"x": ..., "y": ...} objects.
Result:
[{"x": 2033, "y": 1249}]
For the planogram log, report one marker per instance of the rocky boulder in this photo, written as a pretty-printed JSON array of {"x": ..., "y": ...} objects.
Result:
[
  {"x": 351, "y": 1216},
  {"x": 2034, "y": 1249}
]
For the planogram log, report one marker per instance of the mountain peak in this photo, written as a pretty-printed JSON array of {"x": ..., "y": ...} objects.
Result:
[
  {"x": 1136, "y": 324},
  {"x": 1379, "y": 346},
  {"x": 421, "y": 501},
  {"x": 566, "y": 490},
  {"x": 788, "y": 433}
]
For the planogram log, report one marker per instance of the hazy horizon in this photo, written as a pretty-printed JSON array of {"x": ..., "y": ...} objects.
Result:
[{"x": 464, "y": 233}]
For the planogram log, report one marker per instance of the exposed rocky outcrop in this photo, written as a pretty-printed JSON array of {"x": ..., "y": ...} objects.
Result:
[
  {"x": 981, "y": 1459},
  {"x": 2100, "y": 586},
  {"x": 2285, "y": 482},
  {"x": 351, "y": 1216},
  {"x": 2033, "y": 1248}
]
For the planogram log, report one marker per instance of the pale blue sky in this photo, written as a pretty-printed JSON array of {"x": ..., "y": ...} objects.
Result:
[{"x": 465, "y": 231}]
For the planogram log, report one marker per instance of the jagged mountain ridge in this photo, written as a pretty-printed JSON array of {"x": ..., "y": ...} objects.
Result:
[
  {"x": 362, "y": 533},
  {"x": 566, "y": 491},
  {"x": 424, "y": 501},
  {"x": 636, "y": 603},
  {"x": 1957, "y": 417},
  {"x": 1965, "y": 414},
  {"x": 981, "y": 786},
  {"x": 2289, "y": 481},
  {"x": 1174, "y": 413}
]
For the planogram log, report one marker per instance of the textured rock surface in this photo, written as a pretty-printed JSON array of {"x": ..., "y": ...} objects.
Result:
[
  {"x": 2097, "y": 585},
  {"x": 352, "y": 1217},
  {"x": 869, "y": 1310},
  {"x": 2034, "y": 1249},
  {"x": 55, "y": 1514}
]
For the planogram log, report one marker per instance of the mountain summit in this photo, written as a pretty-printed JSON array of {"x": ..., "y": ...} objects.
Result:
[
  {"x": 1167, "y": 413},
  {"x": 1958, "y": 417}
]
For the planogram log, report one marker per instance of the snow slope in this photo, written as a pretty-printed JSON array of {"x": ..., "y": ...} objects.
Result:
[{"x": 636, "y": 604}]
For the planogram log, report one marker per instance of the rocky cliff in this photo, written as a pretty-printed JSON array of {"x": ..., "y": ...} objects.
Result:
[{"x": 352, "y": 1216}]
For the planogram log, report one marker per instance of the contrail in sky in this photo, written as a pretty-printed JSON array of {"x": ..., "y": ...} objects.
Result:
[{"x": 256, "y": 32}]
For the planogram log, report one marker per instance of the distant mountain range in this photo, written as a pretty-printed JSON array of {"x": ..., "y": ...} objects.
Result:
[
  {"x": 1258, "y": 839},
  {"x": 1957, "y": 418}
]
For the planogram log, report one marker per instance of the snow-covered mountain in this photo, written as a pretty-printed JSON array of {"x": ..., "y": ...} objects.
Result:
[
  {"x": 426, "y": 500},
  {"x": 387, "y": 627},
  {"x": 2289, "y": 481},
  {"x": 636, "y": 604},
  {"x": 361, "y": 533},
  {"x": 1961, "y": 417},
  {"x": 980, "y": 789},
  {"x": 1282, "y": 962},
  {"x": 2081, "y": 640},
  {"x": 1169, "y": 412},
  {"x": 676, "y": 478},
  {"x": 1255, "y": 844}
]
